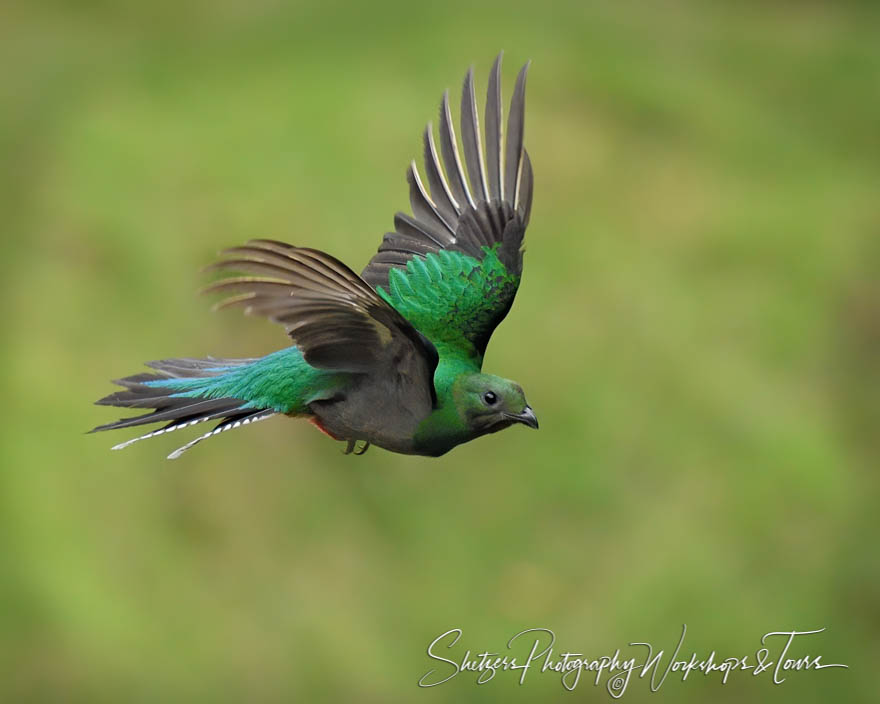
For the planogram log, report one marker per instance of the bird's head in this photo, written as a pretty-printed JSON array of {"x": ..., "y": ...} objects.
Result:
[{"x": 489, "y": 403}]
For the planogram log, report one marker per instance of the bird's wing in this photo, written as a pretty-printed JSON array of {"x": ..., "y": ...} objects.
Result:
[
  {"x": 335, "y": 319},
  {"x": 452, "y": 268}
]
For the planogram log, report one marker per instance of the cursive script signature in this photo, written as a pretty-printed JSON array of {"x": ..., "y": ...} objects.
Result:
[{"x": 534, "y": 650}]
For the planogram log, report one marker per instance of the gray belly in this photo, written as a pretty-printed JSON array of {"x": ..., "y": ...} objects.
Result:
[{"x": 373, "y": 412}]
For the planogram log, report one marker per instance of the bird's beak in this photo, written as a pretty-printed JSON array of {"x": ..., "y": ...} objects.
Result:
[{"x": 527, "y": 417}]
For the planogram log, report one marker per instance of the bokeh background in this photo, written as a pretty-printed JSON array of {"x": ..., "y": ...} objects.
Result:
[{"x": 698, "y": 330}]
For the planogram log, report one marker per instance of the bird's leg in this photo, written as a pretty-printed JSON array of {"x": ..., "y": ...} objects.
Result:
[
  {"x": 349, "y": 447},
  {"x": 364, "y": 448}
]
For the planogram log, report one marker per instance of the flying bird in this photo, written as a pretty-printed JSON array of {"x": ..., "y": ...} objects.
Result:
[{"x": 392, "y": 357}]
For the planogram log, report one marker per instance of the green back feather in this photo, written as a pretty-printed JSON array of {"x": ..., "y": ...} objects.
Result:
[{"x": 453, "y": 299}]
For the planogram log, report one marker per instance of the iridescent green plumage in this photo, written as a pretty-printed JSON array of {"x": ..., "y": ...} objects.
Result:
[
  {"x": 392, "y": 357},
  {"x": 281, "y": 381},
  {"x": 451, "y": 298}
]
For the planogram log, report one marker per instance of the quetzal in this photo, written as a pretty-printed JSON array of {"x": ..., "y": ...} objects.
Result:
[{"x": 392, "y": 357}]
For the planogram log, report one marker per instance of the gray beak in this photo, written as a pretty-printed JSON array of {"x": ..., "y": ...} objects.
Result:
[{"x": 527, "y": 417}]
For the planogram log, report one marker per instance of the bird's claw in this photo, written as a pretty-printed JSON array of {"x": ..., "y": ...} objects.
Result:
[{"x": 352, "y": 447}]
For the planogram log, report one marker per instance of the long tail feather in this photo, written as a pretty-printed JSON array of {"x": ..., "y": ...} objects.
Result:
[
  {"x": 228, "y": 424},
  {"x": 181, "y": 394}
]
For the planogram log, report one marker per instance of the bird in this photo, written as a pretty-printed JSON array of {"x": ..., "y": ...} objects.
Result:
[{"x": 393, "y": 357}]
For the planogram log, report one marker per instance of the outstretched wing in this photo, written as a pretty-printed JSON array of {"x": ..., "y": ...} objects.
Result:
[
  {"x": 453, "y": 267},
  {"x": 335, "y": 319}
]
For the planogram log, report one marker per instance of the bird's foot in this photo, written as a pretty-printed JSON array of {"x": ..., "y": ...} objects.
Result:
[{"x": 352, "y": 447}]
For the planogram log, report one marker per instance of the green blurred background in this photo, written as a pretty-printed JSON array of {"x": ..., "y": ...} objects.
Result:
[{"x": 698, "y": 331}]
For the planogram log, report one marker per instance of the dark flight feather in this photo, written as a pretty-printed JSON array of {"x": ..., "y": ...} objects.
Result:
[
  {"x": 470, "y": 137},
  {"x": 426, "y": 212},
  {"x": 443, "y": 199},
  {"x": 463, "y": 211},
  {"x": 524, "y": 201},
  {"x": 493, "y": 131},
  {"x": 336, "y": 320},
  {"x": 515, "y": 131},
  {"x": 449, "y": 149}
]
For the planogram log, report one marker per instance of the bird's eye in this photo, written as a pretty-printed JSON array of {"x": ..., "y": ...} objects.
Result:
[{"x": 490, "y": 398}]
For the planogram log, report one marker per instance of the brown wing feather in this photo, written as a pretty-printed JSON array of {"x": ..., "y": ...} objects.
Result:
[
  {"x": 333, "y": 316},
  {"x": 479, "y": 200}
]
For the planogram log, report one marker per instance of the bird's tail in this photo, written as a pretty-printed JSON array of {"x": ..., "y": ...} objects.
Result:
[{"x": 182, "y": 393}]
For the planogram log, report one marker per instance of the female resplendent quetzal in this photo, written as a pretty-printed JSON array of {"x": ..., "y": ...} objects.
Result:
[{"x": 392, "y": 357}]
